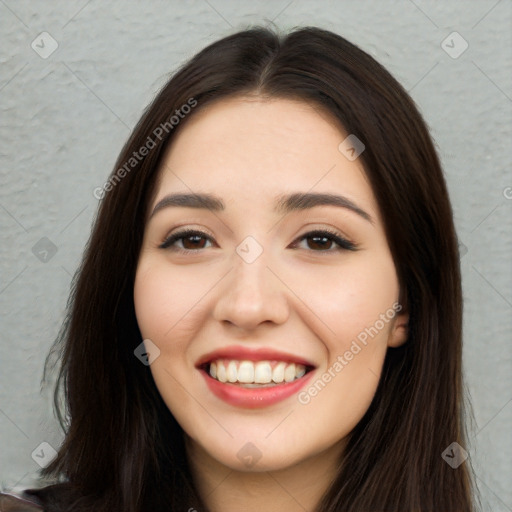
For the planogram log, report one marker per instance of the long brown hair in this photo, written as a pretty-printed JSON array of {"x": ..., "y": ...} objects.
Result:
[{"x": 123, "y": 450}]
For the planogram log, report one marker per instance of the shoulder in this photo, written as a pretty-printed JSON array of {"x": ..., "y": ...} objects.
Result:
[{"x": 11, "y": 502}]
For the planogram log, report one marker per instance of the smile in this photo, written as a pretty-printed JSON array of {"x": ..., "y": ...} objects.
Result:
[
  {"x": 251, "y": 374},
  {"x": 253, "y": 378}
]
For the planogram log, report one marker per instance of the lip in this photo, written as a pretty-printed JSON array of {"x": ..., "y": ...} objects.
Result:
[{"x": 252, "y": 398}]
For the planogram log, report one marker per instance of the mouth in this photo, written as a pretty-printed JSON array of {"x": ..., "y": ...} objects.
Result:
[
  {"x": 255, "y": 374},
  {"x": 249, "y": 378}
]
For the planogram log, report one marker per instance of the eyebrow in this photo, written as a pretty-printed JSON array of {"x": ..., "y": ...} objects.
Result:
[{"x": 285, "y": 203}]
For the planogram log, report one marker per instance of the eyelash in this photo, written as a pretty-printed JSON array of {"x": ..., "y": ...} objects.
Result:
[{"x": 343, "y": 243}]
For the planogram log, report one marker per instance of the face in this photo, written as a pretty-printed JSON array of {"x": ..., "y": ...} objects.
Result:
[{"x": 272, "y": 311}]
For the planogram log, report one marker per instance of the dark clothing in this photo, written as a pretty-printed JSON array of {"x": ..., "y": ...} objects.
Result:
[{"x": 19, "y": 503}]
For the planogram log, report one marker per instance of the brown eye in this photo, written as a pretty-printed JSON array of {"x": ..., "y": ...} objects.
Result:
[
  {"x": 190, "y": 241},
  {"x": 193, "y": 242},
  {"x": 325, "y": 241},
  {"x": 319, "y": 242}
]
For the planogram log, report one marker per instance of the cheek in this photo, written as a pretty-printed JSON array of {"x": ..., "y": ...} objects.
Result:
[
  {"x": 169, "y": 312},
  {"x": 351, "y": 304},
  {"x": 168, "y": 303},
  {"x": 349, "y": 299}
]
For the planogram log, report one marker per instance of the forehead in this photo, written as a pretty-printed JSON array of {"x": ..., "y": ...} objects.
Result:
[{"x": 250, "y": 149}]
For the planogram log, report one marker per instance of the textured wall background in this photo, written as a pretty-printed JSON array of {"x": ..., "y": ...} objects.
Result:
[{"x": 66, "y": 114}]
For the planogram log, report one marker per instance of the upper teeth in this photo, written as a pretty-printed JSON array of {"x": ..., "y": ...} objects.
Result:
[{"x": 262, "y": 372}]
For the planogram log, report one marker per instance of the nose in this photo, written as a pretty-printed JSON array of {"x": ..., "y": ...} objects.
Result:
[{"x": 251, "y": 295}]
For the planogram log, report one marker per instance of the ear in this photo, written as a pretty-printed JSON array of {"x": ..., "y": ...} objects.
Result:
[{"x": 399, "y": 330}]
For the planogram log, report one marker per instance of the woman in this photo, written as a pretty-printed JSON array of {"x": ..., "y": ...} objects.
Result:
[{"x": 268, "y": 313}]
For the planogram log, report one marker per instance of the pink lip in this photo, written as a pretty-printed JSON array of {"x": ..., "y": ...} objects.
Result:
[{"x": 252, "y": 398}]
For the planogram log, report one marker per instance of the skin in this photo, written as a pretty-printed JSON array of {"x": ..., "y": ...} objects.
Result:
[{"x": 302, "y": 300}]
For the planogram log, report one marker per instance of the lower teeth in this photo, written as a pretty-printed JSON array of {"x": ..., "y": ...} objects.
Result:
[
  {"x": 269, "y": 385},
  {"x": 254, "y": 385}
]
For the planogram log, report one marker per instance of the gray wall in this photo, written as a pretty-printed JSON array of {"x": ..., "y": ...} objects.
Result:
[{"x": 66, "y": 115}]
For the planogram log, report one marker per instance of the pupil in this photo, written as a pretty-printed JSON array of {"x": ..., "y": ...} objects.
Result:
[
  {"x": 196, "y": 241},
  {"x": 320, "y": 241}
]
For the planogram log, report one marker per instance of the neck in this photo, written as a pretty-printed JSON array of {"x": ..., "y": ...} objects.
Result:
[{"x": 296, "y": 488}]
